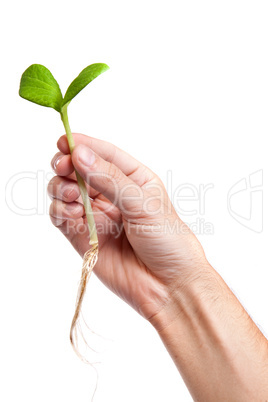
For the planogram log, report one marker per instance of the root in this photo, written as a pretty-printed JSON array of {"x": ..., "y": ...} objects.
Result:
[{"x": 89, "y": 261}]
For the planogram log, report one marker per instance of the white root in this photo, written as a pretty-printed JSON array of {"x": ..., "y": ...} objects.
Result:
[{"x": 89, "y": 261}]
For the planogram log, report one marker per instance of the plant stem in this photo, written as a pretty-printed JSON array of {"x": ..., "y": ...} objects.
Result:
[{"x": 80, "y": 181}]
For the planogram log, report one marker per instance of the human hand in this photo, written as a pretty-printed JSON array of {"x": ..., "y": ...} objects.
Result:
[{"x": 145, "y": 250}]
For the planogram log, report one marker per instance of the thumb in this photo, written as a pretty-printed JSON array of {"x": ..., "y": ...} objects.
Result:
[{"x": 109, "y": 180}]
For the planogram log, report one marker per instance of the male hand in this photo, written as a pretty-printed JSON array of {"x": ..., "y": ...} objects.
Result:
[{"x": 145, "y": 250}]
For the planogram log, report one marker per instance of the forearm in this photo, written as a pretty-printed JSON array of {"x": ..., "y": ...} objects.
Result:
[{"x": 219, "y": 351}]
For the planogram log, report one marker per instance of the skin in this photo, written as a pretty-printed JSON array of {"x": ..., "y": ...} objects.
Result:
[{"x": 162, "y": 273}]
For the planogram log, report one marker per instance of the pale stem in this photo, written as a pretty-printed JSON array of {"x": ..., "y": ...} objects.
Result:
[{"x": 80, "y": 181}]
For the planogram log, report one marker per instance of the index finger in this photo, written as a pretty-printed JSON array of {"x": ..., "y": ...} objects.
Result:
[{"x": 132, "y": 168}]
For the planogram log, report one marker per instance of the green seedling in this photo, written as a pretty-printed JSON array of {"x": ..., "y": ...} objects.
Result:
[{"x": 39, "y": 86}]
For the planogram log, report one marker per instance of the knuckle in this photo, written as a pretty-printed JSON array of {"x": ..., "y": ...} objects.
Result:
[
  {"x": 114, "y": 173},
  {"x": 51, "y": 184},
  {"x": 53, "y": 209},
  {"x": 111, "y": 175},
  {"x": 111, "y": 153},
  {"x": 54, "y": 181}
]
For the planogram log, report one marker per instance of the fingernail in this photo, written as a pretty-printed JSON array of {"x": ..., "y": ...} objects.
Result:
[
  {"x": 55, "y": 162},
  {"x": 86, "y": 156}
]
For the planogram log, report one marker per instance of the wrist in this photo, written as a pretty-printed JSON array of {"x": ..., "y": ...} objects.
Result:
[
  {"x": 184, "y": 296},
  {"x": 217, "y": 348}
]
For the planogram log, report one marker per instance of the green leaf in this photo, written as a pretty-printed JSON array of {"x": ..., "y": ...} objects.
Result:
[
  {"x": 39, "y": 86},
  {"x": 83, "y": 79}
]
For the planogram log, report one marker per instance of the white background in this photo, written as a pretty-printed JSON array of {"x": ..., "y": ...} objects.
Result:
[{"x": 187, "y": 92}]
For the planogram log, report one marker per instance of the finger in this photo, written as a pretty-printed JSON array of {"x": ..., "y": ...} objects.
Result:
[
  {"x": 138, "y": 172},
  {"x": 62, "y": 164},
  {"x": 61, "y": 211},
  {"x": 63, "y": 189},
  {"x": 76, "y": 231},
  {"x": 109, "y": 180},
  {"x": 67, "y": 190}
]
